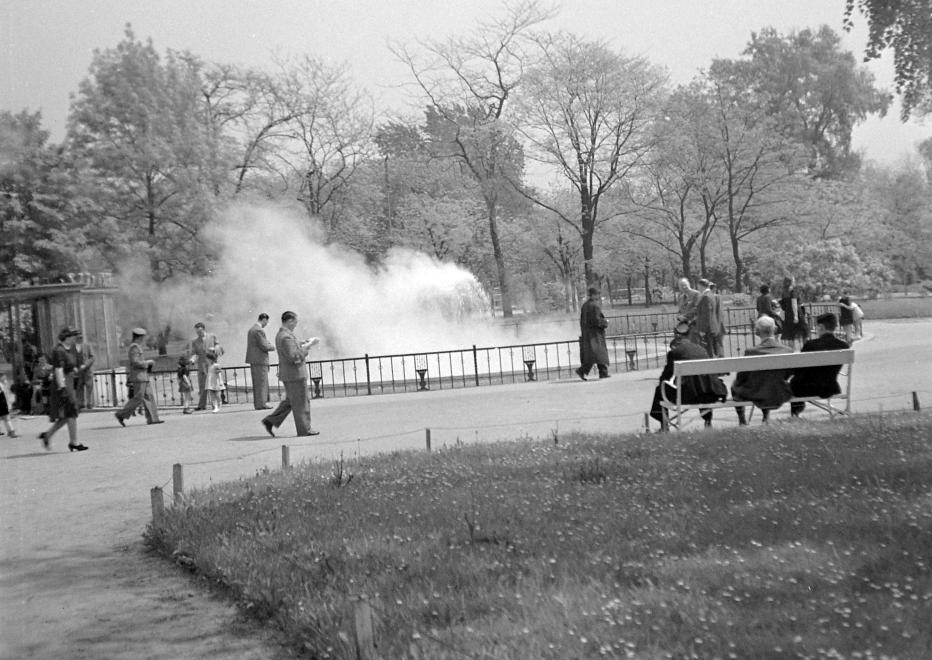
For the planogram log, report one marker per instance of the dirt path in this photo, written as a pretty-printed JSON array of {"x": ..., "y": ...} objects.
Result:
[{"x": 74, "y": 582}]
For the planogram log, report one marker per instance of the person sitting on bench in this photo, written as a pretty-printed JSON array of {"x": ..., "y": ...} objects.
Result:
[
  {"x": 768, "y": 390},
  {"x": 696, "y": 389},
  {"x": 818, "y": 381}
]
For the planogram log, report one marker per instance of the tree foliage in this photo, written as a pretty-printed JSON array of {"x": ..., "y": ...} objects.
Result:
[{"x": 906, "y": 27}]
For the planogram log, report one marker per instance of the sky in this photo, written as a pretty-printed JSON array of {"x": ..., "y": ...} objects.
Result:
[{"x": 46, "y": 46}]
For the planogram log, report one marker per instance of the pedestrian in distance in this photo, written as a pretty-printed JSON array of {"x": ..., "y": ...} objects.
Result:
[
  {"x": 846, "y": 316},
  {"x": 292, "y": 372},
  {"x": 197, "y": 352},
  {"x": 214, "y": 381},
  {"x": 258, "y": 348},
  {"x": 138, "y": 374},
  {"x": 688, "y": 308},
  {"x": 708, "y": 319},
  {"x": 6, "y": 404},
  {"x": 185, "y": 388},
  {"x": 592, "y": 347},
  {"x": 63, "y": 404}
]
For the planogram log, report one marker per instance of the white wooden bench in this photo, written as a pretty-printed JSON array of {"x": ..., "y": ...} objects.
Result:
[{"x": 674, "y": 411}]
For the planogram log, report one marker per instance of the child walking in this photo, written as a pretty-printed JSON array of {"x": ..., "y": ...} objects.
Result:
[
  {"x": 214, "y": 380},
  {"x": 184, "y": 384},
  {"x": 6, "y": 402}
]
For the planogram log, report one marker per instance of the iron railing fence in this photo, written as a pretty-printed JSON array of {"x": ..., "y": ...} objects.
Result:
[{"x": 453, "y": 369}]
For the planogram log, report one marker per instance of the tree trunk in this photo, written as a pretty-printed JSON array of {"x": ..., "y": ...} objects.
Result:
[
  {"x": 499, "y": 259},
  {"x": 739, "y": 265}
]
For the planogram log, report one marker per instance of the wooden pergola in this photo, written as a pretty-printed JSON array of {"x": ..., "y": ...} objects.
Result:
[{"x": 48, "y": 307}]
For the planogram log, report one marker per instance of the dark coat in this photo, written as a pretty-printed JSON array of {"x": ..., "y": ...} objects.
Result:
[
  {"x": 708, "y": 318},
  {"x": 818, "y": 381},
  {"x": 592, "y": 324},
  {"x": 795, "y": 325},
  {"x": 696, "y": 389},
  {"x": 766, "y": 389}
]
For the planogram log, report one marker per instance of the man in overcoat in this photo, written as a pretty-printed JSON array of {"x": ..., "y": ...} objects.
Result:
[
  {"x": 592, "y": 348},
  {"x": 292, "y": 372},
  {"x": 818, "y": 381},
  {"x": 258, "y": 348},
  {"x": 708, "y": 323},
  {"x": 768, "y": 390}
]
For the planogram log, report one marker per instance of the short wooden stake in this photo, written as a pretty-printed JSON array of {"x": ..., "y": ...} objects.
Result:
[
  {"x": 916, "y": 401},
  {"x": 647, "y": 421},
  {"x": 177, "y": 483},
  {"x": 427, "y": 438},
  {"x": 158, "y": 505},
  {"x": 365, "y": 643},
  {"x": 286, "y": 458}
]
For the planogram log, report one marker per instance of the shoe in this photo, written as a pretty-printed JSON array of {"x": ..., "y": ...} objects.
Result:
[
  {"x": 200, "y": 408},
  {"x": 13, "y": 434},
  {"x": 186, "y": 411},
  {"x": 268, "y": 428},
  {"x": 158, "y": 421},
  {"x": 604, "y": 376},
  {"x": 312, "y": 432},
  {"x": 120, "y": 420},
  {"x": 579, "y": 372},
  {"x": 44, "y": 437},
  {"x": 215, "y": 410},
  {"x": 77, "y": 447},
  {"x": 264, "y": 408}
]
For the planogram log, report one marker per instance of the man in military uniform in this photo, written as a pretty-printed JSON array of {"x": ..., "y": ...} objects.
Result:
[{"x": 137, "y": 373}]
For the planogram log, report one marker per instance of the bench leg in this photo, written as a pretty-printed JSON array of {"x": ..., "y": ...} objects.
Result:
[{"x": 664, "y": 420}]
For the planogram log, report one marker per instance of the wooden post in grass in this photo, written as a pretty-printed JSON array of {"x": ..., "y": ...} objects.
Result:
[
  {"x": 427, "y": 438},
  {"x": 177, "y": 482},
  {"x": 158, "y": 505},
  {"x": 647, "y": 421},
  {"x": 916, "y": 401},
  {"x": 365, "y": 643},
  {"x": 286, "y": 458}
]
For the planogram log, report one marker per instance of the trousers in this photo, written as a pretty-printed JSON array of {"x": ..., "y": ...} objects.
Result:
[{"x": 295, "y": 402}]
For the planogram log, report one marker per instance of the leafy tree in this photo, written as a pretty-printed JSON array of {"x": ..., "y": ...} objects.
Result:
[
  {"x": 905, "y": 26},
  {"x": 139, "y": 135},
  {"x": 586, "y": 111},
  {"x": 469, "y": 83},
  {"x": 756, "y": 172},
  {"x": 40, "y": 222},
  {"x": 815, "y": 91}
]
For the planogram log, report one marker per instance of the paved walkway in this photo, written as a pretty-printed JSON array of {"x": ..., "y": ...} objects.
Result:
[{"x": 75, "y": 584}]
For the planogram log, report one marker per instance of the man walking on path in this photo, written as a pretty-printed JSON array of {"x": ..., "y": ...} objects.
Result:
[
  {"x": 138, "y": 375},
  {"x": 292, "y": 372},
  {"x": 258, "y": 348},
  {"x": 592, "y": 348}
]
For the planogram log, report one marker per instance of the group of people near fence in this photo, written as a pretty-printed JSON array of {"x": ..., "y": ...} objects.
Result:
[{"x": 766, "y": 390}]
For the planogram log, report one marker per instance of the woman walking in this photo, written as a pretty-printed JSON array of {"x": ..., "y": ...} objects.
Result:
[{"x": 63, "y": 405}]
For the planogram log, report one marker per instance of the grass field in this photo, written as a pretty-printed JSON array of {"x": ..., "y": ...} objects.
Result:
[{"x": 804, "y": 539}]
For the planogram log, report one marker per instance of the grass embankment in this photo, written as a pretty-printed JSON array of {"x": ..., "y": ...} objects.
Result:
[{"x": 794, "y": 540}]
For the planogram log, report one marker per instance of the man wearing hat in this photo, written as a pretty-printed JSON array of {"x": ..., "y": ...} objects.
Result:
[
  {"x": 592, "y": 347},
  {"x": 63, "y": 407},
  {"x": 696, "y": 389},
  {"x": 137, "y": 373},
  {"x": 708, "y": 324},
  {"x": 818, "y": 381}
]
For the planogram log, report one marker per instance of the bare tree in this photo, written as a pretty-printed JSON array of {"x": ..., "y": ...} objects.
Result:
[
  {"x": 587, "y": 111},
  {"x": 469, "y": 82}
]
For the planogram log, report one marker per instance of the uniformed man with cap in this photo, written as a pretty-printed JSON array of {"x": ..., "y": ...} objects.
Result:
[{"x": 137, "y": 373}]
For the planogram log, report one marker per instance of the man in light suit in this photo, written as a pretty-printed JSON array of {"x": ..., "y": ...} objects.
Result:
[
  {"x": 258, "y": 348},
  {"x": 137, "y": 372},
  {"x": 292, "y": 371}
]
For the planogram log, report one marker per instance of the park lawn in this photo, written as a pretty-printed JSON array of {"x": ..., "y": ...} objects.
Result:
[{"x": 806, "y": 539}]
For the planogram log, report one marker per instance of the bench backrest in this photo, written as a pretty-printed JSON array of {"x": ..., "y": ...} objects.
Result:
[{"x": 763, "y": 362}]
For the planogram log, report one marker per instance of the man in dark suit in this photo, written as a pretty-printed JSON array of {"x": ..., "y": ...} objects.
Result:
[
  {"x": 592, "y": 347},
  {"x": 292, "y": 372},
  {"x": 258, "y": 348},
  {"x": 696, "y": 389},
  {"x": 708, "y": 319},
  {"x": 768, "y": 390},
  {"x": 818, "y": 381}
]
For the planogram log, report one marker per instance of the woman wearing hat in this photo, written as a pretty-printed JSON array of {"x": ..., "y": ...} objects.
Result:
[{"x": 63, "y": 405}]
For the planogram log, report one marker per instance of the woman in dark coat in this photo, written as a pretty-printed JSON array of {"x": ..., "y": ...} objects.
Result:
[
  {"x": 63, "y": 405},
  {"x": 795, "y": 323}
]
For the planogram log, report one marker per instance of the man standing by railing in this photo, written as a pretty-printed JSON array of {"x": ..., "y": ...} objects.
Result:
[
  {"x": 292, "y": 372},
  {"x": 197, "y": 352},
  {"x": 688, "y": 308},
  {"x": 258, "y": 348},
  {"x": 708, "y": 323}
]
